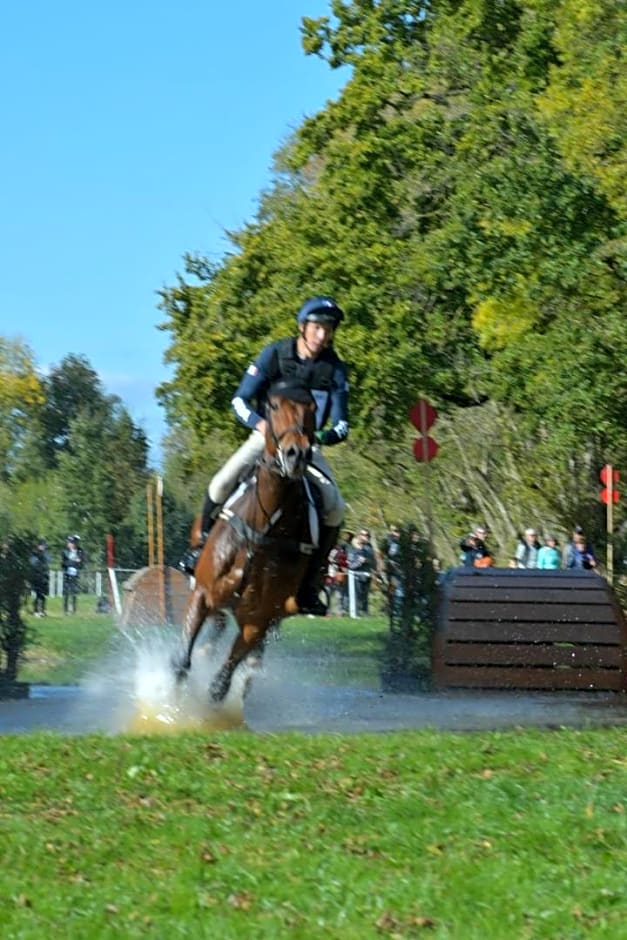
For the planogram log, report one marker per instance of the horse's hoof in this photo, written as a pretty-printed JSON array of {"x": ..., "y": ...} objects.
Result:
[
  {"x": 180, "y": 669},
  {"x": 217, "y": 692}
]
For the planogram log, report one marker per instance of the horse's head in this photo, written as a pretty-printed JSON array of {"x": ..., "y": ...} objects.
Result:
[{"x": 290, "y": 410}]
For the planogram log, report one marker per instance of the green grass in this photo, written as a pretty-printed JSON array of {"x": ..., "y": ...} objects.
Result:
[
  {"x": 65, "y": 645},
  {"x": 518, "y": 834},
  {"x": 492, "y": 835},
  {"x": 336, "y": 649}
]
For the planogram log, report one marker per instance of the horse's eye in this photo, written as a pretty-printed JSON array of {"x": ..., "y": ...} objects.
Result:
[{"x": 273, "y": 405}]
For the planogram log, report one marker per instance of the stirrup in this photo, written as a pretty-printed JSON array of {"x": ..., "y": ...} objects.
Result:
[{"x": 188, "y": 562}]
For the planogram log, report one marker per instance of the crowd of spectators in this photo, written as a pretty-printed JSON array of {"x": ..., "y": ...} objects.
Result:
[
  {"x": 361, "y": 564},
  {"x": 530, "y": 551}
]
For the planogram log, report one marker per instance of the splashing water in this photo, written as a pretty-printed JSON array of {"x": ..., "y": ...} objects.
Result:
[{"x": 136, "y": 689}]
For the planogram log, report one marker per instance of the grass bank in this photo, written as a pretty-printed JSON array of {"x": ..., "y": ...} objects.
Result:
[
  {"x": 65, "y": 645},
  {"x": 496, "y": 835},
  {"x": 334, "y": 649}
]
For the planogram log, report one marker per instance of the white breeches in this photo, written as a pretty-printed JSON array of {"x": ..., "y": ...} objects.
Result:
[{"x": 244, "y": 459}]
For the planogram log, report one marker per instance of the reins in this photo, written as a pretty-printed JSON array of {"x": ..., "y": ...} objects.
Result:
[
  {"x": 273, "y": 465},
  {"x": 262, "y": 538}
]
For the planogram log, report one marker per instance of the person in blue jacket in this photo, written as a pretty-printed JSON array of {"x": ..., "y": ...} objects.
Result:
[{"x": 310, "y": 360}]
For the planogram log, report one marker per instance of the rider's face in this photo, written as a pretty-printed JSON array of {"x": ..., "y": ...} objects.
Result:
[{"x": 315, "y": 337}]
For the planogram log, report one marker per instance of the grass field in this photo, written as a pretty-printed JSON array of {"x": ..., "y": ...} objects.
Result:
[
  {"x": 65, "y": 647},
  {"x": 501, "y": 835},
  {"x": 480, "y": 836}
]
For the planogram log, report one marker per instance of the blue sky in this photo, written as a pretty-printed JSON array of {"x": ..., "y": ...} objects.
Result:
[{"x": 132, "y": 133}]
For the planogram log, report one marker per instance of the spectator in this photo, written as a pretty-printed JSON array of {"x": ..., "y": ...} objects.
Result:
[
  {"x": 72, "y": 559},
  {"x": 527, "y": 549},
  {"x": 468, "y": 546},
  {"x": 40, "y": 575},
  {"x": 475, "y": 552},
  {"x": 549, "y": 555},
  {"x": 337, "y": 578},
  {"x": 362, "y": 562},
  {"x": 579, "y": 553},
  {"x": 346, "y": 539}
]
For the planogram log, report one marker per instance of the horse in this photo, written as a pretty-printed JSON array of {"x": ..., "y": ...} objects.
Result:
[{"x": 257, "y": 551}]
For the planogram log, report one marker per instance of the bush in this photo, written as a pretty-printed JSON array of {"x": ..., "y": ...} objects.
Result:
[
  {"x": 412, "y": 599},
  {"x": 15, "y": 554}
]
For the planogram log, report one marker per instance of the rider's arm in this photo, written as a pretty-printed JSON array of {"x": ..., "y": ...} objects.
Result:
[
  {"x": 254, "y": 383},
  {"x": 338, "y": 413}
]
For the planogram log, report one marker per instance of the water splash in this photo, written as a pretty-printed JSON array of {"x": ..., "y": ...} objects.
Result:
[{"x": 135, "y": 689}]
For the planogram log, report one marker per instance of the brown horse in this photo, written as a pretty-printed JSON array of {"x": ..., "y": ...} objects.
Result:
[{"x": 258, "y": 549}]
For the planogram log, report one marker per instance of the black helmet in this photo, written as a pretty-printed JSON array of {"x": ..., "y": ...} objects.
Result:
[{"x": 320, "y": 310}]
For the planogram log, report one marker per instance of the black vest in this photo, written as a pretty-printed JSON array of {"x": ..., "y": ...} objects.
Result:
[{"x": 314, "y": 373}]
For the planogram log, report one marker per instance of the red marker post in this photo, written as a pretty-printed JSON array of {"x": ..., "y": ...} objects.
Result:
[
  {"x": 609, "y": 495},
  {"x": 423, "y": 416}
]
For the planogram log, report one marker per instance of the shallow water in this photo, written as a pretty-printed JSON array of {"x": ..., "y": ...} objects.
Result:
[{"x": 134, "y": 691}]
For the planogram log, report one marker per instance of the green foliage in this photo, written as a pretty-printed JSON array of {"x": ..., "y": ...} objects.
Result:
[
  {"x": 464, "y": 200},
  {"x": 98, "y": 499},
  {"x": 584, "y": 103},
  {"x": 71, "y": 389},
  {"x": 15, "y": 551},
  {"x": 75, "y": 460},
  {"x": 411, "y": 585},
  {"x": 20, "y": 398}
]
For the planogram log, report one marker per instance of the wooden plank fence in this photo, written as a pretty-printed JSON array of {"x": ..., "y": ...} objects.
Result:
[
  {"x": 529, "y": 629},
  {"x": 155, "y": 595}
]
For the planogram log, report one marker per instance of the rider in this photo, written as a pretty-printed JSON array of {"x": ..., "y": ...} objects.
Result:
[{"x": 308, "y": 358}]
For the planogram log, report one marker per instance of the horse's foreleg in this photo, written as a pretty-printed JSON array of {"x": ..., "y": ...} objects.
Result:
[
  {"x": 194, "y": 618},
  {"x": 248, "y": 639}
]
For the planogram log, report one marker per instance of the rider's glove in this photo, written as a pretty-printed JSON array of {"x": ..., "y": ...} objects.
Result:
[{"x": 320, "y": 437}]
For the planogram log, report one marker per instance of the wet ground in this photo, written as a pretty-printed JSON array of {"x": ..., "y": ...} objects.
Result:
[
  {"x": 277, "y": 705},
  {"x": 133, "y": 689}
]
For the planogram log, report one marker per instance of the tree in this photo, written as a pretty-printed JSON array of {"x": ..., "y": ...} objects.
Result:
[
  {"x": 451, "y": 200},
  {"x": 72, "y": 388},
  {"x": 103, "y": 467},
  {"x": 21, "y": 396}
]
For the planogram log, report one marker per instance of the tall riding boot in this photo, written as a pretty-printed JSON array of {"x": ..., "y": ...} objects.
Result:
[
  {"x": 309, "y": 593},
  {"x": 208, "y": 516}
]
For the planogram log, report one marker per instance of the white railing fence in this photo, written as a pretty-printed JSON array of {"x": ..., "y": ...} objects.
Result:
[{"x": 92, "y": 581}]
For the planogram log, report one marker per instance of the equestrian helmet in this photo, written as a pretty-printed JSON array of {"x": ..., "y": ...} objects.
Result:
[{"x": 320, "y": 310}]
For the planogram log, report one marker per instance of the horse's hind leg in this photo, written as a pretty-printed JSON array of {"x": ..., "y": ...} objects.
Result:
[
  {"x": 194, "y": 618},
  {"x": 248, "y": 639}
]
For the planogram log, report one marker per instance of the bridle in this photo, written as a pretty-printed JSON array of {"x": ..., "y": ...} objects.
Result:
[{"x": 277, "y": 463}]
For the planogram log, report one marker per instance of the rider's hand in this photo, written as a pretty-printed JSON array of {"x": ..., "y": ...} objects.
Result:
[{"x": 261, "y": 426}]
